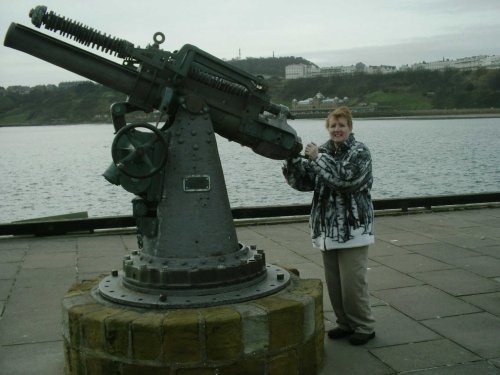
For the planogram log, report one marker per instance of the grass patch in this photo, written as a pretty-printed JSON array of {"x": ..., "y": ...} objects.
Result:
[{"x": 400, "y": 100}]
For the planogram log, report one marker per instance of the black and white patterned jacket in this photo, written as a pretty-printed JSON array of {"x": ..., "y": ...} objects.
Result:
[{"x": 342, "y": 209}]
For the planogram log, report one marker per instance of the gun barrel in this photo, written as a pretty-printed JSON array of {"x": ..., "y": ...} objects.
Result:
[
  {"x": 77, "y": 60},
  {"x": 235, "y": 110}
]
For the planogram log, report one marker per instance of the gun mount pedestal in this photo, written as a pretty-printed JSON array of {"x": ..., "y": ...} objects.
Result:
[
  {"x": 192, "y": 299},
  {"x": 190, "y": 256}
]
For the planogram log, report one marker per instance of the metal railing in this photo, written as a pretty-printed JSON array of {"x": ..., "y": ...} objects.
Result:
[{"x": 45, "y": 228}]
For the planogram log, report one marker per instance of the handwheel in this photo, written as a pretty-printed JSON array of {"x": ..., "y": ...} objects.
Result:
[{"x": 139, "y": 154}]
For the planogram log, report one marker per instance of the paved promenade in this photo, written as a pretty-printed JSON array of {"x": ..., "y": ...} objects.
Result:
[{"x": 434, "y": 280}]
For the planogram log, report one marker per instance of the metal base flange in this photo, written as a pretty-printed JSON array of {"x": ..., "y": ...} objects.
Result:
[{"x": 272, "y": 281}]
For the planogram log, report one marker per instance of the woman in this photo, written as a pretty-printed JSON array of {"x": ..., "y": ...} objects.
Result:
[{"x": 340, "y": 174}]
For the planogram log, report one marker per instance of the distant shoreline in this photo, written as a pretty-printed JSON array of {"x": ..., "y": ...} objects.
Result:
[
  {"x": 410, "y": 114},
  {"x": 402, "y": 115},
  {"x": 432, "y": 117}
]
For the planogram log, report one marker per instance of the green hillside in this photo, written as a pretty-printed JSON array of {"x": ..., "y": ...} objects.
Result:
[
  {"x": 268, "y": 66},
  {"x": 78, "y": 102},
  {"x": 404, "y": 90}
]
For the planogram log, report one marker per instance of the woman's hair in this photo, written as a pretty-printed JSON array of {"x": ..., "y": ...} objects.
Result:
[{"x": 340, "y": 112}]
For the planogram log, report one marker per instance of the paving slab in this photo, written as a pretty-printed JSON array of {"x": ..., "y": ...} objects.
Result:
[
  {"x": 129, "y": 242},
  {"x": 33, "y": 312},
  {"x": 403, "y": 238},
  {"x": 247, "y": 233},
  {"x": 495, "y": 362},
  {"x": 374, "y": 301},
  {"x": 394, "y": 328},
  {"x": 442, "y": 251},
  {"x": 424, "y": 302},
  {"x": 100, "y": 242},
  {"x": 9, "y": 270},
  {"x": 45, "y": 278},
  {"x": 280, "y": 255},
  {"x": 45, "y": 358},
  {"x": 343, "y": 358},
  {"x": 489, "y": 302},
  {"x": 14, "y": 243},
  {"x": 301, "y": 226},
  {"x": 433, "y": 225},
  {"x": 315, "y": 258},
  {"x": 48, "y": 260},
  {"x": 482, "y": 232},
  {"x": 38, "y": 295},
  {"x": 5, "y": 287},
  {"x": 408, "y": 263},
  {"x": 462, "y": 218},
  {"x": 474, "y": 368},
  {"x": 54, "y": 244},
  {"x": 310, "y": 270},
  {"x": 485, "y": 219},
  {"x": 470, "y": 242},
  {"x": 329, "y": 315},
  {"x": 10, "y": 256},
  {"x": 89, "y": 276},
  {"x": 479, "y": 332},
  {"x": 384, "y": 277},
  {"x": 37, "y": 324},
  {"x": 423, "y": 355},
  {"x": 292, "y": 240},
  {"x": 383, "y": 248},
  {"x": 99, "y": 264},
  {"x": 483, "y": 265},
  {"x": 268, "y": 244},
  {"x": 384, "y": 226},
  {"x": 117, "y": 251},
  {"x": 458, "y": 282},
  {"x": 286, "y": 233},
  {"x": 493, "y": 251}
]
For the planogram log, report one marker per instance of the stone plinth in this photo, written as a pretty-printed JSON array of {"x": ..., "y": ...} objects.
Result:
[{"x": 278, "y": 334}]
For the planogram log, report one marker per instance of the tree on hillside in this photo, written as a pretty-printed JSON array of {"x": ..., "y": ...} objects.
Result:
[{"x": 268, "y": 66}]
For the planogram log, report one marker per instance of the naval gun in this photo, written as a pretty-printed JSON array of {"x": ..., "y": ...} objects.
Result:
[{"x": 188, "y": 252}]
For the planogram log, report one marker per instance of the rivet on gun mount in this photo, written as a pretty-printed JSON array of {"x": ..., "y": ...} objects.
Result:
[{"x": 189, "y": 254}]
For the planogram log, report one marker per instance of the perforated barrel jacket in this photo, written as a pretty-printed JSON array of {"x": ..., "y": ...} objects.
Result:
[{"x": 342, "y": 209}]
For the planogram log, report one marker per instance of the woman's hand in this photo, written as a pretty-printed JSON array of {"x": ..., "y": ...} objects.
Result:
[{"x": 311, "y": 151}]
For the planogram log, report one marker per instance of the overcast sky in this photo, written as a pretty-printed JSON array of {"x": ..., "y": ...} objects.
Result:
[{"x": 326, "y": 32}]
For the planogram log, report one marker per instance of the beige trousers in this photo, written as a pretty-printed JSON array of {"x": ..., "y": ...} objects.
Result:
[{"x": 345, "y": 273}]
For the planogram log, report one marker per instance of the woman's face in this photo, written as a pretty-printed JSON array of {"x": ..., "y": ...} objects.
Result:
[{"x": 338, "y": 129}]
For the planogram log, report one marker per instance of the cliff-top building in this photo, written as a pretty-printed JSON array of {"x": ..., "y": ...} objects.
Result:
[
  {"x": 318, "y": 102},
  {"x": 465, "y": 63}
]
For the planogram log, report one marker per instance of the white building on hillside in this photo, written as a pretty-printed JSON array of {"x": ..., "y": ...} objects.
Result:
[
  {"x": 491, "y": 62},
  {"x": 308, "y": 71},
  {"x": 464, "y": 63},
  {"x": 301, "y": 71}
]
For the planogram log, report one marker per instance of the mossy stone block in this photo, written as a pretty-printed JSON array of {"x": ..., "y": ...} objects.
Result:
[
  {"x": 286, "y": 319},
  {"x": 117, "y": 332},
  {"x": 147, "y": 336},
  {"x": 181, "y": 337},
  {"x": 223, "y": 333},
  {"x": 93, "y": 330}
]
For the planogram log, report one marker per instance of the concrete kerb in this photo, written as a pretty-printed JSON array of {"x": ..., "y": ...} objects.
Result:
[{"x": 289, "y": 219}]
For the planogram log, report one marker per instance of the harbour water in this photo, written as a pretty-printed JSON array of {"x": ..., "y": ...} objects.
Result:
[{"x": 52, "y": 170}]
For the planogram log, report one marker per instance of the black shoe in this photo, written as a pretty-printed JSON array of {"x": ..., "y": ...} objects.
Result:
[
  {"x": 359, "y": 338},
  {"x": 338, "y": 333}
]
